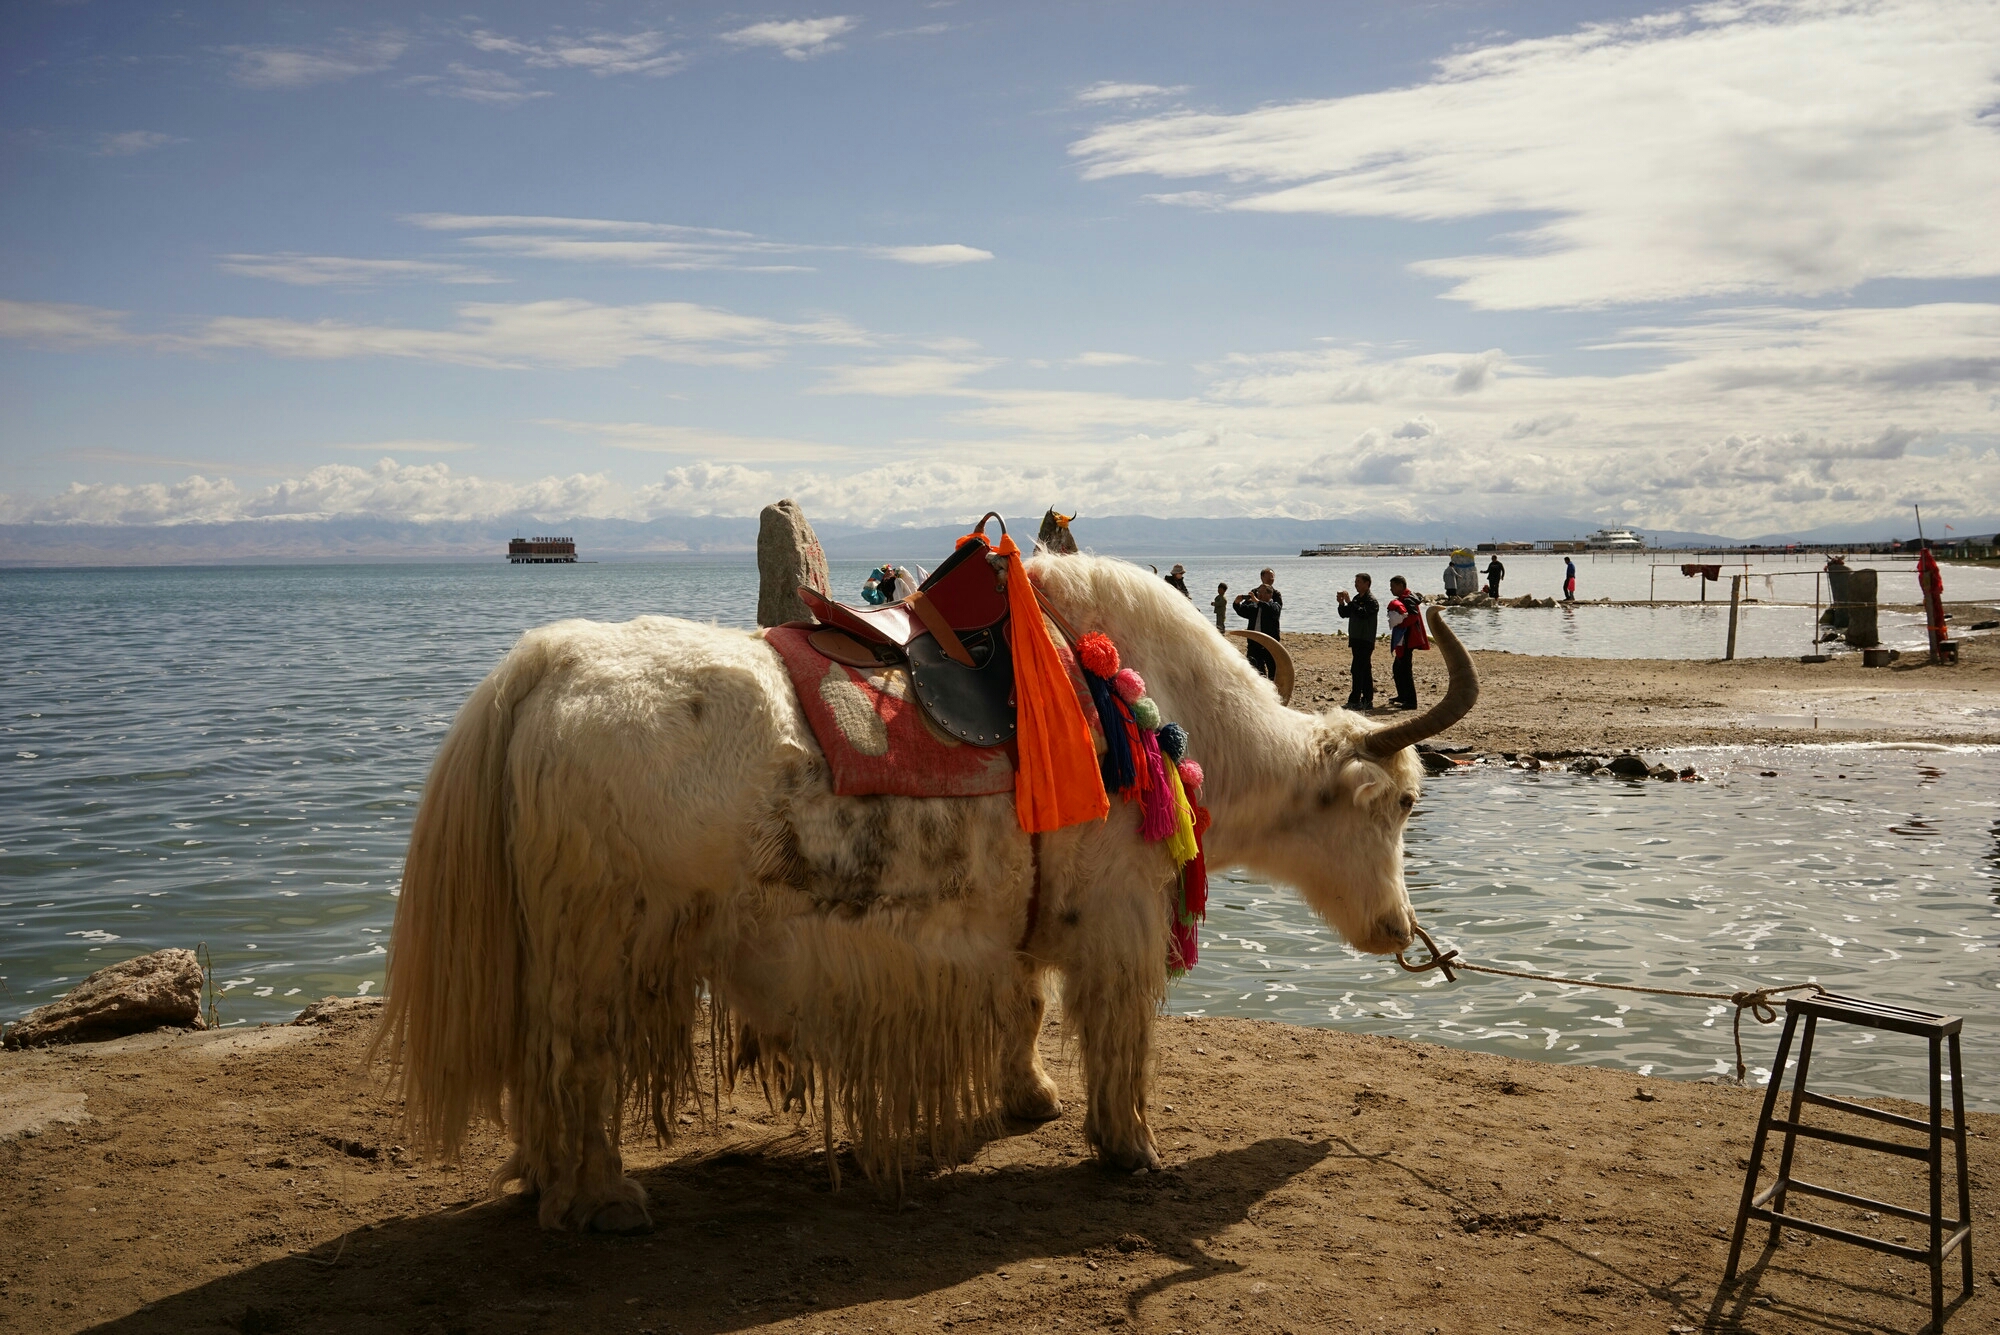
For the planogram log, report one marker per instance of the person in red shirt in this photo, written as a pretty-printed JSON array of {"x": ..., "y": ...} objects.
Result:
[{"x": 1406, "y": 634}]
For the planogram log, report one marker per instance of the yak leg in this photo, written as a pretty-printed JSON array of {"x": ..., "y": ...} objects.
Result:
[
  {"x": 1026, "y": 1091},
  {"x": 564, "y": 1155},
  {"x": 1113, "y": 961}
]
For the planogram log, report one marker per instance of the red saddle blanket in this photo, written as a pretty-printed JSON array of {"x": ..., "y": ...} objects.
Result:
[{"x": 874, "y": 733}]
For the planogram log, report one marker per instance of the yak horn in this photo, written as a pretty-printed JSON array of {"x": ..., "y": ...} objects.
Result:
[
  {"x": 1458, "y": 700},
  {"x": 1280, "y": 656}
]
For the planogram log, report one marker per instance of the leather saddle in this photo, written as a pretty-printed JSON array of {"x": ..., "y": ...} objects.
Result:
[{"x": 950, "y": 636}]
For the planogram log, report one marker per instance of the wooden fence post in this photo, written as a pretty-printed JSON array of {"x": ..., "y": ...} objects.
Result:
[{"x": 1735, "y": 599}]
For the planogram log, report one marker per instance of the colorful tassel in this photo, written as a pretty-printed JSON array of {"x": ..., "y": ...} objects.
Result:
[
  {"x": 1130, "y": 685},
  {"x": 1157, "y": 812},
  {"x": 1098, "y": 653},
  {"x": 1173, "y": 742},
  {"x": 1116, "y": 765},
  {"x": 1147, "y": 713},
  {"x": 1194, "y": 876},
  {"x": 1191, "y": 776},
  {"x": 1056, "y": 782},
  {"x": 1181, "y": 846}
]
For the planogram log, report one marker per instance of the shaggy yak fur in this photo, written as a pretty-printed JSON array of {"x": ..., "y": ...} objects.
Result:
[{"x": 629, "y": 831}]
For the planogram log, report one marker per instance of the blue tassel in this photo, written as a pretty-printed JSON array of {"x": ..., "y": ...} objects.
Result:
[
  {"x": 1173, "y": 742},
  {"x": 1116, "y": 764}
]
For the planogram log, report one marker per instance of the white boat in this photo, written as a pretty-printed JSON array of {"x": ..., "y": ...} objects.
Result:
[{"x": 1615, "y": 540}]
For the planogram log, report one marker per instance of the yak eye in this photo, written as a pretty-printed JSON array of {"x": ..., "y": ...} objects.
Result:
[{"x": 1408, "y": 801}]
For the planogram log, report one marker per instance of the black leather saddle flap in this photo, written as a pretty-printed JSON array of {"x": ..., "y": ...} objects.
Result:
[{"x": 974, "y": 704}]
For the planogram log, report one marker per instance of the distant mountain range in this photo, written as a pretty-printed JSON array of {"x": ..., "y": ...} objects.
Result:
[{"x": 368, "y": 539}]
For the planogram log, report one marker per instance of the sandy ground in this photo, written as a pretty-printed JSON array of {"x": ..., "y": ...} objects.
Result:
[
  {"x": 1531, "y": 703},
  {"x": 249, "y": 1181}
]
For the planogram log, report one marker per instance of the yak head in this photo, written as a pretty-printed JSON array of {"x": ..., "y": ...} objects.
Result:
[{"x": 1332, "y": 822}]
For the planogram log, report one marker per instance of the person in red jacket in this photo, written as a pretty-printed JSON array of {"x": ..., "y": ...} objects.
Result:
[{"x": 1406, "y": 635}]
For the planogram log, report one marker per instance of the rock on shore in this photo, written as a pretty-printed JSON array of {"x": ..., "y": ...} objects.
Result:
[{"x": 154, "y": 991}]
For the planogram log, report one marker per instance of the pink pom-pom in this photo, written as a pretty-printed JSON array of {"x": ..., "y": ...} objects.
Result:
[
  {"x": 1129, "y": 685},
  {"x": 1098, "y": 653},
  {"x": 1191, "y": 775}
]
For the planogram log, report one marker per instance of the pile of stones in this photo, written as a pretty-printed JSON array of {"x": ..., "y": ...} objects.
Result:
[
  {"x": 1488, "y": 600},
  {"x": 1625, "y": 765}
]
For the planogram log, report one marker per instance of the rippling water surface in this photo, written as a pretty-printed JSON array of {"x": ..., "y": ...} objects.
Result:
[{"x": 233, "y": 756}]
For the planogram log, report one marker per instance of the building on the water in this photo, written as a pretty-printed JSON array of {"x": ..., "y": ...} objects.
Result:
[
  {"x": 541, "y": 551},
  {"x": 1615, "y": 540}
]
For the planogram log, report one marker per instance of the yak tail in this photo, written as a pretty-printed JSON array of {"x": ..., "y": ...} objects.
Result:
[{"x": 452, "y": 1027}]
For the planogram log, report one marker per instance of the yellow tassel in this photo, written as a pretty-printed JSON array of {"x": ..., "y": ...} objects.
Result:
[{"x": 1181, "y": 845}]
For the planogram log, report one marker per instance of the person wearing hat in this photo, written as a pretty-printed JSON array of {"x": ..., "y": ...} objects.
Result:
[{"x": 1179, "y": 580}]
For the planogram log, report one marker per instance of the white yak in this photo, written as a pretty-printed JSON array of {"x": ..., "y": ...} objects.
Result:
[{"x": 630, "y": 830}]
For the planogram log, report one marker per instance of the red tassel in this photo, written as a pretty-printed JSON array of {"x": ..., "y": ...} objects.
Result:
[{"x": 1194, "y": 876}]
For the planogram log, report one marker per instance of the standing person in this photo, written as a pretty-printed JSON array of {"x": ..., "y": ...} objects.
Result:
[
  {"x": 1270, "y": 587},
  {"x": 1262, "y": 608},
  {"x": 1569, "y": 579},
  {"x": 1406, "y": 635},
  {"x": 1362, "y": 614},
  {"x": 1495, "y": 572},
  {"x": 1179, "y": 580},
  {"x": 1222, "y": 608}
]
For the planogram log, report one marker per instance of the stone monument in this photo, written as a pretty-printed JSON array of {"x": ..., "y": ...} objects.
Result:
[{"x": 788, "y": 556}]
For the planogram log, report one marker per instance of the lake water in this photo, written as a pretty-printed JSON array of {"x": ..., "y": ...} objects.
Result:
[{"x": 233, "y": 756}]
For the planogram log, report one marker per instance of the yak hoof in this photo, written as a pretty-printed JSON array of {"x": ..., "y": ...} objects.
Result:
[
  {"x": 1131, "y": 1159},
  {"x": 624, "y": 1217},
  {"x": 1038, "y": 1103}
]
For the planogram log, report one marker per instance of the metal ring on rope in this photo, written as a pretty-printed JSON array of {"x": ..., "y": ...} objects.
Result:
[
  {"x": 1279, "y": 655},
  {"x": 1438, "y": 960}
]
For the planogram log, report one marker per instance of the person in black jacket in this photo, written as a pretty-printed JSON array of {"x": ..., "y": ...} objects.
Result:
[
  {"x": 1178, "y": 578},
  {"x": 1363, "y": 615},
  {"x": 1495, "y": 572},
  {"x": 1263, "y": 607}
]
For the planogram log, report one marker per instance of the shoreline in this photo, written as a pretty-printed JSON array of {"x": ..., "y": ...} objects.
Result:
[
  {"x": 250, "y": 1178},
  {"x": 1530, "y": 703}
]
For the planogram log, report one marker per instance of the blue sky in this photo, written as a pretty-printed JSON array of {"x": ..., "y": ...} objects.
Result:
[{"x": 1729, "y": 268}]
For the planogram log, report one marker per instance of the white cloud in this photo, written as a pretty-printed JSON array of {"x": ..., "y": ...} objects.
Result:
[
  {"x": 906, "y": 377},
  {"x": 295, "y": 67},
  {"x": 1794, "y": 146},
  {"x": 341, "y": 270},
  {"x": 1127, "y": 92},
  {"x": 650, "y": 438},
  {"x": 797, "y": 39},
  {"x": 54, "y": 324},
  {"x": 1091, "y": 359},
  {"x": 601, "y": 53},
  {"x": 693, "y": 252},
  {"x": 566, "y": 333},
  {"x": 934, "y": 256},
  {"x": 471, "y": 83},
  {"x": 1744, "y": 420},
  {"x": 517, "y": 222},
  {"x": 129, "y": 142},
  {"x": 409, "y": 446},
  {"x": 653, "y": 245}
]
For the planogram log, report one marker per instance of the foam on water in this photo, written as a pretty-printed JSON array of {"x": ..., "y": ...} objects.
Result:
[{"x": 234, "y": 755}]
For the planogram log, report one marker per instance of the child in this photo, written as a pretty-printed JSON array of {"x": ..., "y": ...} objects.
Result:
[{"x": 1222, "y": 607}]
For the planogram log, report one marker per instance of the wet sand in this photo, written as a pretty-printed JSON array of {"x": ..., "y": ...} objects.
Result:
[
  {"x": 1532, "y": 703},
  {"x": 1315, "y": 1180}
]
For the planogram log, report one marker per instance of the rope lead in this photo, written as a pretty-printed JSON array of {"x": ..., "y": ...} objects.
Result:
[{"x": 1755, "y": 1000}]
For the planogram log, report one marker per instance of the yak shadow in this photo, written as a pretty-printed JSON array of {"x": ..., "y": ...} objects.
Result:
[{"x": 742, "y": 1240}]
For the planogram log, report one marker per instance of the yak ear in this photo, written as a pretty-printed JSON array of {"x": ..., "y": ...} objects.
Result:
[{"x": 1364, "y": 792}]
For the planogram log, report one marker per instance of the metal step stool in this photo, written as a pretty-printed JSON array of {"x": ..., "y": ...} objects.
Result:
[{"x": 1769, "y": 1204}]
